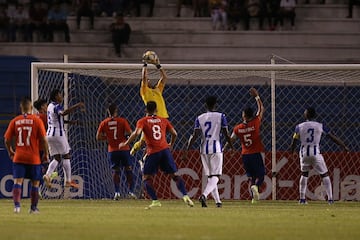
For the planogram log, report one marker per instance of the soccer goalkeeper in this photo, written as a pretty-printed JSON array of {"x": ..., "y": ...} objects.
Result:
[{"x": 150, "y": 92}]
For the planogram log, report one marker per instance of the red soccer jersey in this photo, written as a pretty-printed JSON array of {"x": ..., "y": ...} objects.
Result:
[
  {"x": 28, "y": 130},
  {"x": 115, "y": 130},
  {"x": 43, "y": 117},
  {"x": 249, "y": 135},
  {"x": 154, "y": 129}
]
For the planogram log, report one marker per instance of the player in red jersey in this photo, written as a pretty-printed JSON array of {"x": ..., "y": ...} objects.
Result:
[
  {"x": 252, "y": 147},
  {"x": 41, "y": 106},
  {"x": 158, "y": 151},
  {"x": 114, "y": 130},
  {"x": 28, "y": 133}
]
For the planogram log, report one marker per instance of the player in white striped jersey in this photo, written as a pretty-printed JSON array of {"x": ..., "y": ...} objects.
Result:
[
  {"x": 309, "y": 134},
  {"x": 211, "y": 125},
  {"x": 59, "y": 148}
]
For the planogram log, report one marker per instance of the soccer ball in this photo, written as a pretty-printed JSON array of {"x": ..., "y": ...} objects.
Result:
[{"x": 150, "y": 57}]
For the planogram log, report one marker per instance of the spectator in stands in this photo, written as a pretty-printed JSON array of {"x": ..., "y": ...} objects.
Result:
[
  {"x": 272, "y": 13},
  {"x": 4, "y": 21},
  {"x": 137, "y": 5},
  {"x": 218, "y": 14},
  {"x": 38, "y": 18},
  {"x": 120, "y": 31},
  {"x": 287, "y": 10},
  {"x": 184, "y": 2},
  {"x": 235, "y": 12},
  {"x": 57, "y": 21},
  {"x": 85, "y": 9},
  {"x": 351, "y": 6},
  {"x": 19, "y": 20},
  {"x": 254, "y": 8},
  {"x": 201, "y": 8},
  {"x": 106, "y": 8}
]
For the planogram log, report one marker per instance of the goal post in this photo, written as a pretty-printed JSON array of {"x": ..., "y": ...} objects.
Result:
[{"x": 286, "y": 90}]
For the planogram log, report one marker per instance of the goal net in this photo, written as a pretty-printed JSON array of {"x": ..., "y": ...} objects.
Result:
[{"x": 286, "y": 90}]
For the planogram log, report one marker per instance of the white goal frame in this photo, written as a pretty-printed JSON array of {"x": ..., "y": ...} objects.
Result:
[{"x": 65, "y": 67}]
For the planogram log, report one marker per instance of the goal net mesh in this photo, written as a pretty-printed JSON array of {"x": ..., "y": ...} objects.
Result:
[{"x": 334, "y": 93}]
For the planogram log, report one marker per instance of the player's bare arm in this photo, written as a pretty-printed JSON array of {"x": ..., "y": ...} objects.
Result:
[
  {"x": 191, "y": 141},
  {"x": 44, "y": 143},
  {"x": 100, "y": 136},
  {"x": 173, "y": 133},
  {"x": 225, "y": 132},
  {"x": 132, "y": 137},
  {"x": 254, "y": 93},
  {"x": 73, "y": 108},
  {"x": 233, "y": 138},
  {"x": 9, "y": 148},
  {"x": 338, "y": 141},
  {"x": 294, "y": 142}
]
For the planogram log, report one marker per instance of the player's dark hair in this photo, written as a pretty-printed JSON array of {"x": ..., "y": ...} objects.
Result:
[
  {"x": 210, "y": 102},
  {"x": 311, "y": 113},
  {"x": 112, "y": 109},
  {"x": 151, "y": 107},
  {"x": 249, "y": 112},
  {"x": 38, "y": 103},
  {"x": 53, "y": 94}
]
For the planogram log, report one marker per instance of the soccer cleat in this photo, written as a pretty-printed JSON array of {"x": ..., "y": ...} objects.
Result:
[
  {"x": 219, "y": 205},
  {"x": 53, "y": 175},
  {"x": 202, "y": 200},
  {"x": 154, "y": 203},
  {"x": 72, "y": 184},
  {"x": 34, "y": 211},
  {"x": 188, "y": 201},
  {"x": 16, "y": 209},
  {"x": 255, "y": 193},
  {"x": 131, "y": 195},
  {"x": 331, "y": 202},
  {"x": 117, "y": 196},
  {"x": 303, "y": 202},
  {"x": 47, "y": 181}
]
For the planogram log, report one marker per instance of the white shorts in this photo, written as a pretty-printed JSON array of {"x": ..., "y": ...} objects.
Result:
[
  {"x": 58, "y": 145},
  {"x": 212, "y": 163},
  {"x": 316, "y": 162}
]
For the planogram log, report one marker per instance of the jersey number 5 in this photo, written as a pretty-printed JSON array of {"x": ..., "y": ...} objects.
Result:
[
  {"x": 247, "y": 140},
  {"x": 27, "y": 131}
]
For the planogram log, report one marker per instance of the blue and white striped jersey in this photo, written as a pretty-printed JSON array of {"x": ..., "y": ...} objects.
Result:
[
  {"x": 309, "y": 133},
  {"x": 210, "y": 124},
  {"x": 55, "y": 120}
]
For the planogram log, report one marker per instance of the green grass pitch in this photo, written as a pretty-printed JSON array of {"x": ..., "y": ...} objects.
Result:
[{"x": 128, "y": 219}]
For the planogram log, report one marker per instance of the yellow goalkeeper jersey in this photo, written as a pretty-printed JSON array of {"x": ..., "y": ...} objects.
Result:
[{"x": 150, "y": 94}]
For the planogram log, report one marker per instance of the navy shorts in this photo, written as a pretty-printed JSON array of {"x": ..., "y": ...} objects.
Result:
[
  {"x": 162, "y": 159},
  {"x": 254, "y": 164},
  {"x": 32, "y": 172},
  {"x": 119, "y": 159}
]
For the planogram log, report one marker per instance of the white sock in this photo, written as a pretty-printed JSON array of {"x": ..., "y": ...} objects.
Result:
[
  {"x": 52, "y": 166},
  {"x": 328, "y": 188},
  {"x": 215, "y": 195},
  {"x": 210, "y": 186},
  {"x": 302, "y": 186},
  {"x": 67, "y": 170}
]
